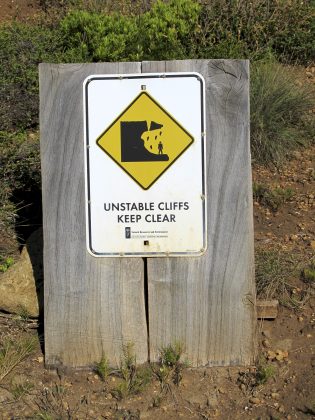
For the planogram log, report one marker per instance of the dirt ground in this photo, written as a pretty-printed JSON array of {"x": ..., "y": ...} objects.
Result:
[
  {"x": 280, "y": 386},
  {"x": 286, "y": 344}
]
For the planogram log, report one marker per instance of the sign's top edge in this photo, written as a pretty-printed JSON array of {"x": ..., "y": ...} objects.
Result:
[{"x": 127, "y": 76}]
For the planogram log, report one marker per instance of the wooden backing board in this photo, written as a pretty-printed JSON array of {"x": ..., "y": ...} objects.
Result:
[
  {"x": 92, "y": 305},
  {"x": 208, "y": 302}
]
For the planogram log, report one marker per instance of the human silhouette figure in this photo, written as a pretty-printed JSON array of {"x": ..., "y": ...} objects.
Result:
[{"x": 160, "y": 147}]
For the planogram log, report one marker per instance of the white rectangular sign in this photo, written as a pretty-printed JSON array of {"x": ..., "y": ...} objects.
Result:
[{"x": 145, "y": 164}]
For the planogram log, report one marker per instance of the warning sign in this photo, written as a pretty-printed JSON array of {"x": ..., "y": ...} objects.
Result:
[
  {"x": 144, "y": 143},
  {"x": 145, "y": 140}
]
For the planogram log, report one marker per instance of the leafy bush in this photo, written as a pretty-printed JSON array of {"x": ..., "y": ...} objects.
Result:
[
  {"x": 272, "y": 198},
  {"x": 279, "y": 110},
  {"x": 98, "y": 37},
  {"x": 133, "y": 378},
  {"x": 20, "y": 182},
  {"x": 167, "y": 30},
  {"x": 235, "y": 29},
  {"x": 308, "y": 273},
  {"x": 161, "y": 33},
  {"x": 22, "y": 48}
]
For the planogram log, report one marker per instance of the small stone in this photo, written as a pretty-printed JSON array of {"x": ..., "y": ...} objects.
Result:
[
  {"x": 281, "y": 409},
  {"x": 212, "y": 401},
  {"x": 266, "y": 333},
  {"x": 266, "y": 343},
  {"x": 198, "y": 399},
  {"x": 254, "y": 400},
  {"x": 275, "y": 395},
  {"x": 271, "y": 355},
  {"x": 312, "y": 244},
  {"x": 300, "y": 319}
]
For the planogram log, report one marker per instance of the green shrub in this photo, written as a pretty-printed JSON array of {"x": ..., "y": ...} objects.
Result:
[
  {"x": 98, "y": 37},
  {"x": 161, "y": 33},
  {"x": 133, "y": 378},
  {"x": 19, "y": 179},
  {"x": 22, "y": 48},
  {"x": 308, "y": 274},
  {"x": 5, "y": 263},
  {"x": 102, "y": 368},
  {"x": 167, "y": 30},
  {"x": 279, "y": 109},
  {"x": 235, "y": 29},
  {"x": 272, "y": 198},
  {"x": 272, "y": 268}
]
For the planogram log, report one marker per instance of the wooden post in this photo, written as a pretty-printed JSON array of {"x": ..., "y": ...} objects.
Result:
[
  {"x": 208, "y": 303},
  {"x": 92, "y": 305},
  {"x": 95, "y": 305}
]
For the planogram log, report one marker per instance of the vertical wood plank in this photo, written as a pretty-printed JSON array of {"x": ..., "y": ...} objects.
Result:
[
  {"x": 92, "y": 305},
  {"x": 208, "y": 303}
]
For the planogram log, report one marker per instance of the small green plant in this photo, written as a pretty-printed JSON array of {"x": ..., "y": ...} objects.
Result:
[
  {"x": 14, "y": 352},
  {"x": 271, "y": 268},
  {"x": 272, "y": 198},
  {"x": 280, "y": 108},
  {"x": 308, "y": 274},
  {"x": 6, "y": 263},
  {"x": 102, "y": 368},
  {"x": 264, "y": 372},
  {"x": 134, "y": 378},
  {"x": 256, "y": 29},
  {"x": 23, "y": 314},
  {"x": 249, "y": 379},
  {"x": 53, "y": 405},
  {"x": 170, "y": 365},
  {"x": 20, "y": 390}
]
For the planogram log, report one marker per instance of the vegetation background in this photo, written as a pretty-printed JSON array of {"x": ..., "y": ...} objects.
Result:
[
  {"x": 278, "y": 38},
  {"x": 272, "y": 34}
]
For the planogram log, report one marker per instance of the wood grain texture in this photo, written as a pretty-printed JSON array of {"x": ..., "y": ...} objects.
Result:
[
  {"x": 92, "y": 305},
  {"x": 208, "y": 303},
  {"x": 267, "y": 309}
]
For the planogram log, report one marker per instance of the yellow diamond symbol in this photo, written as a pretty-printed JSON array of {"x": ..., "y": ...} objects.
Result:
[{"x": 145, "y": 140}]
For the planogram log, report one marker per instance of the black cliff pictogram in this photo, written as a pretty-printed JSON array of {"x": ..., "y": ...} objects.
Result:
[{"x": 140, "y": 144}]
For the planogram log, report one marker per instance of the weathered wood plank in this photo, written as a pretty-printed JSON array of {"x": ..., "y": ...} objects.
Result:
[
  {"x": 208, "y": 303},
  {"x": 92, "y": 306}
]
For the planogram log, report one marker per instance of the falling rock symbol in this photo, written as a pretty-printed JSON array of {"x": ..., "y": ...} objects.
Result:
[{"x": 138, "y": 144}]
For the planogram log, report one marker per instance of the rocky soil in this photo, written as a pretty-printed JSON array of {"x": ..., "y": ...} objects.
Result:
[{"x": 280, "y": 386}]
